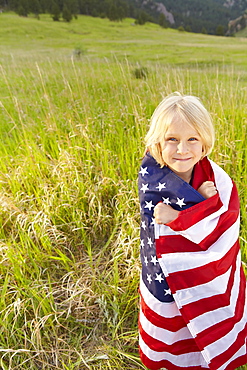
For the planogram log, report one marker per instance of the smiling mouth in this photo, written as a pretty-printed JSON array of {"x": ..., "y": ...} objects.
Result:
[{"x": 182, "y": 159}]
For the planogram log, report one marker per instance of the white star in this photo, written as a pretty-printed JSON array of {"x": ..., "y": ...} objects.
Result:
[
  {"x": 166, "y": 201},
  {"x": 144, "y": 188},
  {"x": 149, "y": 279},
  {"x": 180, "y": 202},
  {"x": 159, "y": 277},
  {"x": 154, "y": 260},
  {"x": 150, "y": 243},
  {"x": 149, "y": 205},
  {"x": 146, "y": 260},
  {"x": 143, "y": 225},
  {"x": 142, "y": 243},
  {"x": 161, "y": 186},
  {"x": 143, "y": 171},
  {"x": 152, "y": 223},
  {"x": 167, "y": 291}
]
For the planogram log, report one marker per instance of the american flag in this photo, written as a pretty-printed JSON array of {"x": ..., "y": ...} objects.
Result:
[{"x": 193, "y": 307}]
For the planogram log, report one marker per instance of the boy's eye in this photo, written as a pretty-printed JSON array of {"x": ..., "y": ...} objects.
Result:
[{"x": 173, "y": 139}]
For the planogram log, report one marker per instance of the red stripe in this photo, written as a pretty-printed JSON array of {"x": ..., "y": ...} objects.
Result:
[
  {"x": 202, "y": 172},
  {"x": 174, "y": 243},
  {"x": 156, "y": 365},
  {"x": 172, "y": 324},
  {"x": 242, "y": 360},
  {"x": 169, "y": 244},
  {"x": 220, "y": 329},
  {"x": 190, "y": 216},
  {"x": 204, "y": 274},
  {"x": 225, "y": 356},
  {"x": 198, "y": 212},
  {"x": 192, "y": 310},
  {"x": 178, "y": 348}
]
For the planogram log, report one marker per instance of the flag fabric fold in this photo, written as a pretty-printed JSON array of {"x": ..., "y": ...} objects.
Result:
[{"x": 193, "y": 307}]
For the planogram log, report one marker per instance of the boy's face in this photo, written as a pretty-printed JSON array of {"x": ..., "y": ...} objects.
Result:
[{"x": 182, "y": 149}]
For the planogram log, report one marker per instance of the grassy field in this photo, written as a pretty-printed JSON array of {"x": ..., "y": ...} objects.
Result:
[
  {"x": 73, "y": 117},
  {"x": 100, "y": 38}
]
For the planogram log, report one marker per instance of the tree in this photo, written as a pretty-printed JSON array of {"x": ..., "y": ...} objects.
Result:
[
  {"x": 121, "y": 13},
  {"x": 45, "y": 6},
  {"x": 13, "y": 4},
  {"x": 131, "y": 11},
  {"x": 112, "y": 12},
  {"x": 162, "y": 21},
  {"x": 55, "y": 11},
  {"x": 204, "y": 31},
  {"x": 67, "y": 16},
  {"x": 23, "y": 8},
  {"x": 85, "y": 6},
  {"x": 116, "y": 10},
  {"x": 220, "y": 30},
  {"x": 3, "y": 3},
  {"x": 21, "y": 11},
  {"x": 142, "y": 18},
  {"x": 35, "y": 7},
  {"x": 74, "y": 7}
]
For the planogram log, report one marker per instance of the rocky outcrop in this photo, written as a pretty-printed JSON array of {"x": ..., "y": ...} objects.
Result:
[
  {"x": 162, "y": 9},
  {"x": 229, "y": 3},
  {"x": 237, "y": 24}
]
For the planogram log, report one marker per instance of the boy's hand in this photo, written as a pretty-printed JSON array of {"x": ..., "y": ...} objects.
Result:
[
  {"x": 207, "y": 189},
  {"x": 164, "y": 214}
]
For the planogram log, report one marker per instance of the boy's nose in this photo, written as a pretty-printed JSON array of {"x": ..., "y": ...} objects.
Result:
[{"x": 182, "y": 147}]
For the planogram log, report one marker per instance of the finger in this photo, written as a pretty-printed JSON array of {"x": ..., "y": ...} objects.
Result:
[
  {"x": 208, "y": 183},
  {"x": 158, "y": 221},
  {"x": 158, "y": 205},
  {"x": 214, "y": 191}
]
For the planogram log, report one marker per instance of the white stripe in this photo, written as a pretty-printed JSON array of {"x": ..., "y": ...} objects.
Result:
[
  {"x": 198, "y": 292},
  {"x": 222, "y": 345},
  {"x": 163, "y": 335},
  {"x": 164, "y": 309},
  {"x": 160, "y": 230},
  {"x": 173, "y": 262},
  {"x": 223, "y": 182},
  {"x": 184, "y": 360},
  {"x": 211, "y": 318},
  {"x": 206, "y": 226}
]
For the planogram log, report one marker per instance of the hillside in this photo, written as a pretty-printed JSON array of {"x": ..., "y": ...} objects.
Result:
[
  {"x": 195, "y": 15},
  {"x": 31, "y": 38},
  {"x": 200, "y": 16}
]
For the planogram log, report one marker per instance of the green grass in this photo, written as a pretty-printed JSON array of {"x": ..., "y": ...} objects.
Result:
[
  {"x": 71, "y": 142},
  {"x": 100, "y": 38}
]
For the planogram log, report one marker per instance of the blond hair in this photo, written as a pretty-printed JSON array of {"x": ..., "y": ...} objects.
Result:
[{"x": 188, "y": 109}]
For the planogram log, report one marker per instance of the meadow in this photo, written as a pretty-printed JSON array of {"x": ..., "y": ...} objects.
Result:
[{"x": 73, "y": 117}]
